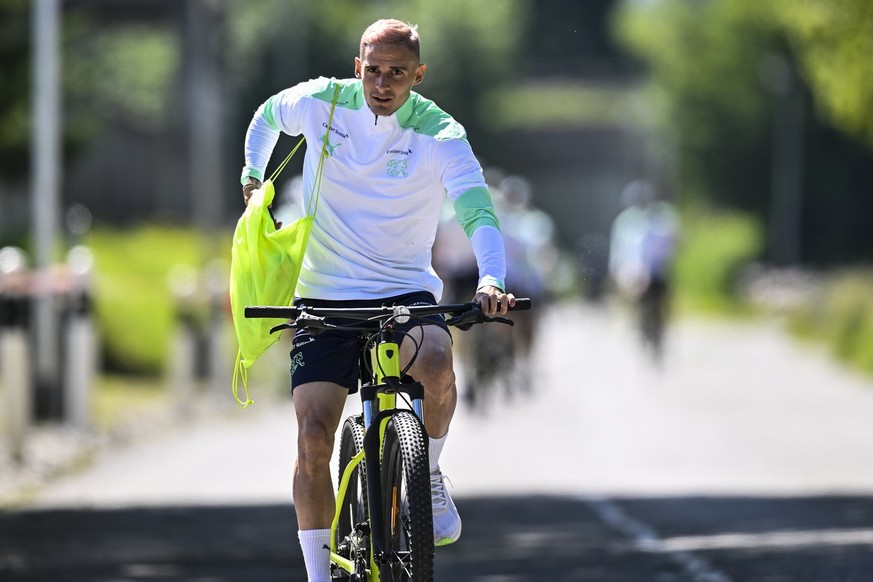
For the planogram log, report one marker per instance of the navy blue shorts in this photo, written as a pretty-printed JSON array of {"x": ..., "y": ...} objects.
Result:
[{"x": 332, "y": 355}]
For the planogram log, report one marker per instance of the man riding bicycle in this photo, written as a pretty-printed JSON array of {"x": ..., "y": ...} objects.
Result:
[{"x": 392, "y": 158}]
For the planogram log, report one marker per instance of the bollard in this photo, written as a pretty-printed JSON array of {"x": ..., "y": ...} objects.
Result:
[
  {"x": 218, "y": 356},
  {"x": 183, "y": 359},
  {"x": 80, "y": 342},
  {"x": 14, "y": 349}
]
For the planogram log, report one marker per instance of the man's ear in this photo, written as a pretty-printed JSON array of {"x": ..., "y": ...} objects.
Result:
[
  {"x": 419, "y": 74},
  {"x": 357, "y": 67}
]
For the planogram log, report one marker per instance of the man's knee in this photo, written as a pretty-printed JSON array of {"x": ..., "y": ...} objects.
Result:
[
  {"x": 319, "y": 407},
  {"x": 438, "y": 356},
  {"x": 314, "y": 443},
  {"x": 434, "y": 362}
]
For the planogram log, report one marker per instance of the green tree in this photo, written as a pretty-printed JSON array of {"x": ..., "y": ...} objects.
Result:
[
  {"x": 834, "y": 42},
  {"x": 716, "y": 70},
  {"x": 107, "y": 74},
  {"x": 15, "y": 80},
  {"x": 704, "y": 60}
]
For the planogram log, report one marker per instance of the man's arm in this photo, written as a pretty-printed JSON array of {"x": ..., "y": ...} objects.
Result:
[
  {"x": 475, "y": 212},
  {"x": 261, "y": 137}
]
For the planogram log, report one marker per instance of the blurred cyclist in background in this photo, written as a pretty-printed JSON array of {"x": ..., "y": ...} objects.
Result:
[
  {"x": 455, "y": 263},
  {"x": 642, "y": 247},
  {"x": 529, "y": 237},
  {"x": 495, "y": 356}
]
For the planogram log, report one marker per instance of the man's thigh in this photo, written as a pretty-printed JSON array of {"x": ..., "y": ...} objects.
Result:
[{"x": 319, "y": 406}]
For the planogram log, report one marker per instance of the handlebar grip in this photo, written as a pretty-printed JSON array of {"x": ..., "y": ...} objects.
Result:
[
  {"x": 268, "y": 311},
  {"x": 521, "y": 304}
]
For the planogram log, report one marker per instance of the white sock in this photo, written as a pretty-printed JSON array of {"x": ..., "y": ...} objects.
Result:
[
  {"x": 434, "y": 450},
  {"x": 315, "y": 555}
]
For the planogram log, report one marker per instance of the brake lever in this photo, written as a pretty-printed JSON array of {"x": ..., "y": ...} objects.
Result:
[
  {"x": 282, "y": 326},
  {"x": 464, "y": 321},
  {"x": 303, "y": 321}
]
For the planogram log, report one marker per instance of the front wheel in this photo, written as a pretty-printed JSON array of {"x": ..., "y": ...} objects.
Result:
[
  {"x": 352, "y": 540},
  {"x": 407, "y": 510}
]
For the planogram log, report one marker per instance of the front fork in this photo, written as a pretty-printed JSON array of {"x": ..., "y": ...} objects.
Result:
[{"x": 385, "y": 362}]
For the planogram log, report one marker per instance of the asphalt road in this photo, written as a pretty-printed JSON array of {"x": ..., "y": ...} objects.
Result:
[{"x": 747, "y": 458}]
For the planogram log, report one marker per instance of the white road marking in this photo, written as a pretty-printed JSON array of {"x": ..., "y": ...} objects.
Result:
[{"x": 646, "y": 539}]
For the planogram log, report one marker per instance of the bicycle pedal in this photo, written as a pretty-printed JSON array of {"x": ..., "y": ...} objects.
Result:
[
  {"x": 337, "y": 573},
  {"x": 344, "y": 549}
]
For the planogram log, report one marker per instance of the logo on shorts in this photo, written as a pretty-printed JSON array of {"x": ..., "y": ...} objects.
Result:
[
  {"x": 296, "y": 362},
  {"x": 396, "y": 168}
]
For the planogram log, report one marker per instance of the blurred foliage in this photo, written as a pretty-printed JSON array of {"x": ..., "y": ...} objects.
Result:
[
  {"x": 119, "y": 400},
  {"x": 15, "y": 80},
  {"x": 124, "y": 73},
  {"x": 135, "y": 309},
  {"x": 718, "y": 71},
  {"x": 559, "y": 104},
  {"x": 714, "y": 250},
  {"x": 842, "y": 318},
  {"x": 834, "y": 42},
  {"x": 704, "y": 60}
]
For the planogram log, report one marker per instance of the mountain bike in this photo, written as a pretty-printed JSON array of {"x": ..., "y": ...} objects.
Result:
[{"x": 383, "y": 524}]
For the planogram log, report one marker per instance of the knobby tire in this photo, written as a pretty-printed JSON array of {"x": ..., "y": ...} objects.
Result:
[
  {"x": 408, "y": 510},
  {"x": 353, "y": 510}
]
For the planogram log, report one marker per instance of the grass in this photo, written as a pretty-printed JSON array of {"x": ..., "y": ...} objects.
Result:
[
  {"x": 120, "y": 399},
  {"x": 135, "y": 305},
  {"x": 842, "y": 318},
  {"x": 715, "y": 247}
]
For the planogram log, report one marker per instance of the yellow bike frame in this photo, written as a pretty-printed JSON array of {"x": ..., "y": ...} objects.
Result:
[{"x": 385, "y": 361}]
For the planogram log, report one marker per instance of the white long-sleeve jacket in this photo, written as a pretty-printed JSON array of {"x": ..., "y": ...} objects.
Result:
[{"x": 383, "y": 183}]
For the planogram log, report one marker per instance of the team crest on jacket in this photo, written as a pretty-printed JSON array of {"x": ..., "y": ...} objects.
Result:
[
  {"x": 329, "y": 147},
  {"x": 396, "y": 168}
]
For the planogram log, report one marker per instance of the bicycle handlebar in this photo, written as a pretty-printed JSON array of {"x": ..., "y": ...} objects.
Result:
[{"x": 365, "y": 313}]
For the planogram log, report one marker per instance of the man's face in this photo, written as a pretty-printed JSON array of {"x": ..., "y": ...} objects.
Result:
[{"x": 388, "y": 72}]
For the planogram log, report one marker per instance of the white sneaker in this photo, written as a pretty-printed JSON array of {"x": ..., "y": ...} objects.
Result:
[{"x": 446, "y": 521}]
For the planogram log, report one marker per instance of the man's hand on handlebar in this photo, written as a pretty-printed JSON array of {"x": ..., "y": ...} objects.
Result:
[
  {"x": 493, "y": 300},
  {"x": 249, "y": 187}
]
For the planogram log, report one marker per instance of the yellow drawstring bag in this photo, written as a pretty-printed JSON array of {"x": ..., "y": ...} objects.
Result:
[
  {"x": 265, "y": 265},
  {"x": 264, "y": 268}
]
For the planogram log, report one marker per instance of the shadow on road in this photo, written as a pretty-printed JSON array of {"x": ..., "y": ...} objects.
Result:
[{"x": 505, "y": 539}]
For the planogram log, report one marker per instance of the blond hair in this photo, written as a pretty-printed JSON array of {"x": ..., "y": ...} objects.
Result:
[{"x": 390, "y": 31}]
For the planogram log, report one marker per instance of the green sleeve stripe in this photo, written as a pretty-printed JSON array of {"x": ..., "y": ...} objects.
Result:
[
  {"x": 493, "y": 281},
  {"x": 250, "y": 172},
  {"x": 268, "y": 113},
  {"x": 475, "y": 209}
]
